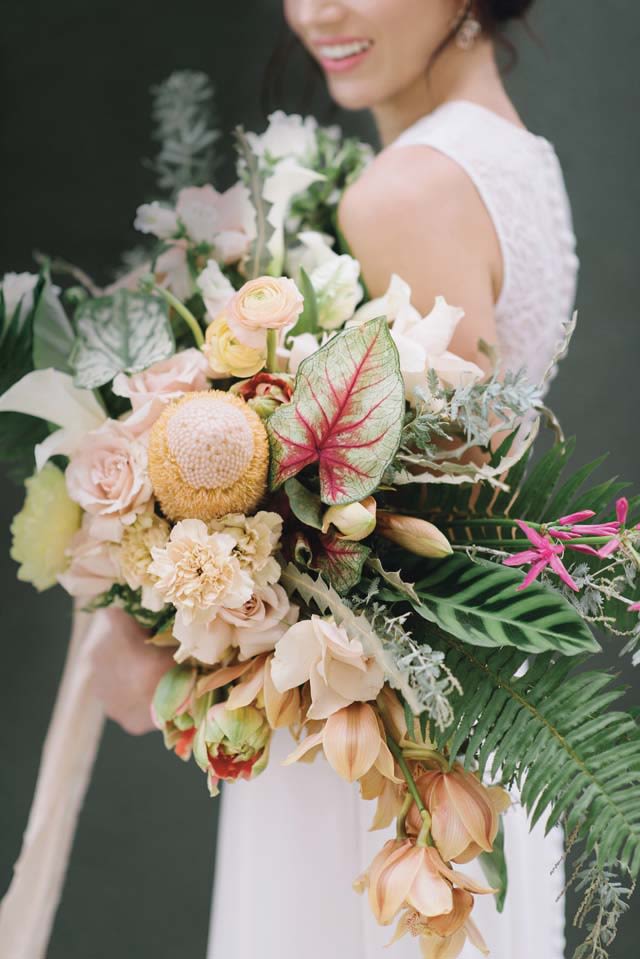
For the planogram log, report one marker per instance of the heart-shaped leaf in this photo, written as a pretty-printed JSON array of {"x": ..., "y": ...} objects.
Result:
[
  {"x": 346, "y": 414},
  {"x": 340, "y": 561},
  {"x": 126, "y": 332}
]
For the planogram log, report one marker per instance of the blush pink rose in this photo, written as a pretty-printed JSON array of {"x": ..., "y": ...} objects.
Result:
[
  {"x": 266, "y": 303},
  {"x": 182, "y": 373},
  {"x": 93, "y": 568},
  {"x": 107, "y": 476}
]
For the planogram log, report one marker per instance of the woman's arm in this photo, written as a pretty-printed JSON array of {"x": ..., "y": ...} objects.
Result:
[{"x": 416, "y": 213}]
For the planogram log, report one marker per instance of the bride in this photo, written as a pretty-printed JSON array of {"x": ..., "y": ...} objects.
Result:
[{"x": 465, "y": 202}]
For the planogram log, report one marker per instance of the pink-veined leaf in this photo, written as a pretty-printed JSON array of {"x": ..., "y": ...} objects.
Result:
[
  {"x": 340, "y": 561},
  {"x": 346, "y": 415}
]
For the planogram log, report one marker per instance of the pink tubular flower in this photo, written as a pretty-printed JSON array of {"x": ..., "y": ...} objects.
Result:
[
  {"x": 577, "y": 528},
  {"x": 545, "y": 553},
  {"x": 634, "y": 608},
  {"x": 622, "y": 512}
]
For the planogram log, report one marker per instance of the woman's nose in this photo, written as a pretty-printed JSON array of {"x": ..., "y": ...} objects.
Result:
[{"x": 319, "y": 12}]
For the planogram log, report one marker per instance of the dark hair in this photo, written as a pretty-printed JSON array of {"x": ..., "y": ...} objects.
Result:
[{"x": 493, "y": 15}]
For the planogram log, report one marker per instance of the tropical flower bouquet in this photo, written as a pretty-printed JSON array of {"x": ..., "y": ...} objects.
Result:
[{"x": 331, "y": 520}]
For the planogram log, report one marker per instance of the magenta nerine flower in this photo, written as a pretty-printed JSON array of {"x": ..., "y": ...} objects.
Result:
[
  {"x": 544, "y": 553},
  {"x": 622, "y": 512}
]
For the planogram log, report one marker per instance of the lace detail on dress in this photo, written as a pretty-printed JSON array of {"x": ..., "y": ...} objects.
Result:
[{"x": 518, "y": 176}]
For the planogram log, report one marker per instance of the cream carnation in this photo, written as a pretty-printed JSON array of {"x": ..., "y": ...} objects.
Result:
[
  {"x": 134, "y": 554},
  {"x": 256, "y": 539},
  {"x": 266, "y": 303},
  {"x": 198, "y": 572},
  {"x": 338, "y": 669},
  {"x": 254, "y": 628},
  {"x": 108, "y": 475}
]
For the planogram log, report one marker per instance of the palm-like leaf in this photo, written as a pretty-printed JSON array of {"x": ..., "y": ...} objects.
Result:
[{"x": 547, "y": 728}]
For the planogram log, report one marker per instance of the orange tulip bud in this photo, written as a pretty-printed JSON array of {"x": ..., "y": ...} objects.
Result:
[{"x": 413, "y": 534}]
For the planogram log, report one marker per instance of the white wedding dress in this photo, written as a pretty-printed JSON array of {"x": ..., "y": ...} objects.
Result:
[{"x": 292, "y": 841}]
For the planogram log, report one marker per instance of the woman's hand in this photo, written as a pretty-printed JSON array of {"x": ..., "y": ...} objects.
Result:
[{"x": 125, "y": 669}]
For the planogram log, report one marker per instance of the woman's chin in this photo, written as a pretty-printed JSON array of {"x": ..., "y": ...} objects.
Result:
[{"x": 351, "y": 94}]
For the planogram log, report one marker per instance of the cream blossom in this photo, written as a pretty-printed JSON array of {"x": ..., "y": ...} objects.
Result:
[
  {"x": 334, "y": 278},
  {"x": 215, "y": 288},
  {"x": 257, "y": 538},
  {"x": 287, "y": 135},
  {"x": 253, "y": 628},
  {"x": 93, "y": 566},
  {"x": 134, "y": 555},
  {"x": 158, "y": 220},
  {"x": 422, "y": 342},
  {"x": 287, "y": 180},
  {"x": 266, "y": 303},
  {"x": 184, "y": 372},
  {"x": 300, "y": 347},
  {"x": 199, "y": 573},
  {"x": 319, "y": 651},
  {"x": 108, "y": 475}
]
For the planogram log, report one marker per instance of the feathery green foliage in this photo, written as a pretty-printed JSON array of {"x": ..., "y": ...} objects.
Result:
[{"x": 547, "y": 727}]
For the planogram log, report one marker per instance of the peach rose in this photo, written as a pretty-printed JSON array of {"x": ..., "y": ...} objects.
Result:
[
  {"x": 266, "y": 303},
  {"x": 108, "y": 474}
]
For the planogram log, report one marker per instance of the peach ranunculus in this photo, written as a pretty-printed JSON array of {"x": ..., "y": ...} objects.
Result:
[
  {"x": 319, "y": 651},
  {"x": 266, "y": 303},
  {"x": 167, "y": 380},
  {"x": 406, "y": 876},
  {"x": 464, "y": 813},
  {"x": 353, "y": 743},
  {"x": 108, "y": 476},
  {"x": 253, "y": 628},
  {"x": 93, "y": 568}
]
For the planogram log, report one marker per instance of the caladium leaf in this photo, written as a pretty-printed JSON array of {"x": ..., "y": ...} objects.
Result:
[
  {"x": 346, "y": 414},
  {"x": 340, "y": 561},
  {"x": 126, "y": 332}
]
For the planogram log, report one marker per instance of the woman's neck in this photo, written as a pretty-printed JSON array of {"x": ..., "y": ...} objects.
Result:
[{"x": 455, "y": 75}]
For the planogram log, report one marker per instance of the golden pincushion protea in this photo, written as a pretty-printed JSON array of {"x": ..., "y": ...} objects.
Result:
[{"x": 208, "y": 456}]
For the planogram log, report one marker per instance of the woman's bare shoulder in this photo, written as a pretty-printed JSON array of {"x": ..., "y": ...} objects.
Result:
[{"x": 414, "y": 206}]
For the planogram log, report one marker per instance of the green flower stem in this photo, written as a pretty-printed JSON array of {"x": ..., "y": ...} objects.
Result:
[
  {"x": 521, "y": 541},
  {"x": 401, "y": 832},
  {"x": 186, "y": 314},
  {"x": 424, "y": 839},
  {"x": 272, "y": 343}
]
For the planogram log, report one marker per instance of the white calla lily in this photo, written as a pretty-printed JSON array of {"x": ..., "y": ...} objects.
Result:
[
  {"x": 52, "y": 396},
  {"x": 288, "y": 179}
]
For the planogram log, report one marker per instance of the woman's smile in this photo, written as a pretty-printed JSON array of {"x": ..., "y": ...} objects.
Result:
[{"x": 339, "y": 54}]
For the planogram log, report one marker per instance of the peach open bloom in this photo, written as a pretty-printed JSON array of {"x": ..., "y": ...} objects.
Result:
[
  {"x": 464, "y": 813},
  {"x": 266, "y": 303},
  {"x": 406, "y": 876},
  {"x": 353, "y": 743},
  {"x": 443, "y": 937},
  {"x": 320, "y": 652}
]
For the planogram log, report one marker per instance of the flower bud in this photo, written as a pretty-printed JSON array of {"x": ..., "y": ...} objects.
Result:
[
  {"x": 265, "y": 392},
  {"x": 413, "y": 534},
  {"x": 354, "y": 521},
  {"x": 232, "y": 744},
  {"x": 171, "y": 709}
]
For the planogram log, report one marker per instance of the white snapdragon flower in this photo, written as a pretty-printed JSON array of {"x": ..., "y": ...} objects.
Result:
[
  {"x": 215, "y": 288},
  {"x": 158, "y": 220}
]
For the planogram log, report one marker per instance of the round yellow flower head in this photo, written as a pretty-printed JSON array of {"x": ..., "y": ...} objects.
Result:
[
  {"x": 43, "y": 528},
  {"x": 208, "y": 456}
]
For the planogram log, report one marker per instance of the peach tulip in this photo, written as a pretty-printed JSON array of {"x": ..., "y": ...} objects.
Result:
[
  {"x": 464, "y": 813},
  {"x": 353, "y": 744}
]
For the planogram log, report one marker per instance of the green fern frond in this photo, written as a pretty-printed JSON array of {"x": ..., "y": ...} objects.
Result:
[{"x": 546, "y": 727}]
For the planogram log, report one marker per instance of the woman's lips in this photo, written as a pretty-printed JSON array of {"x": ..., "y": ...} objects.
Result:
[{"x": 340, "y": 54}]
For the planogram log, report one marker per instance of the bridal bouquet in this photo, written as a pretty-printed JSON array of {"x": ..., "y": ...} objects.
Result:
[{"x": 331, "y": 520}]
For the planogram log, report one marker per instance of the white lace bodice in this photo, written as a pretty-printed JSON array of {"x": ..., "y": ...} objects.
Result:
[{"x": 519, "y": 179}]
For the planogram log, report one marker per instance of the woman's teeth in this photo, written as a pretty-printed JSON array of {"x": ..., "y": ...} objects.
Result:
[{"x": 340, "y": 51}]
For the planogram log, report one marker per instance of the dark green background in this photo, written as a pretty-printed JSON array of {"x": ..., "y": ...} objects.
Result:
[{"x": 75, "y": 125}]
